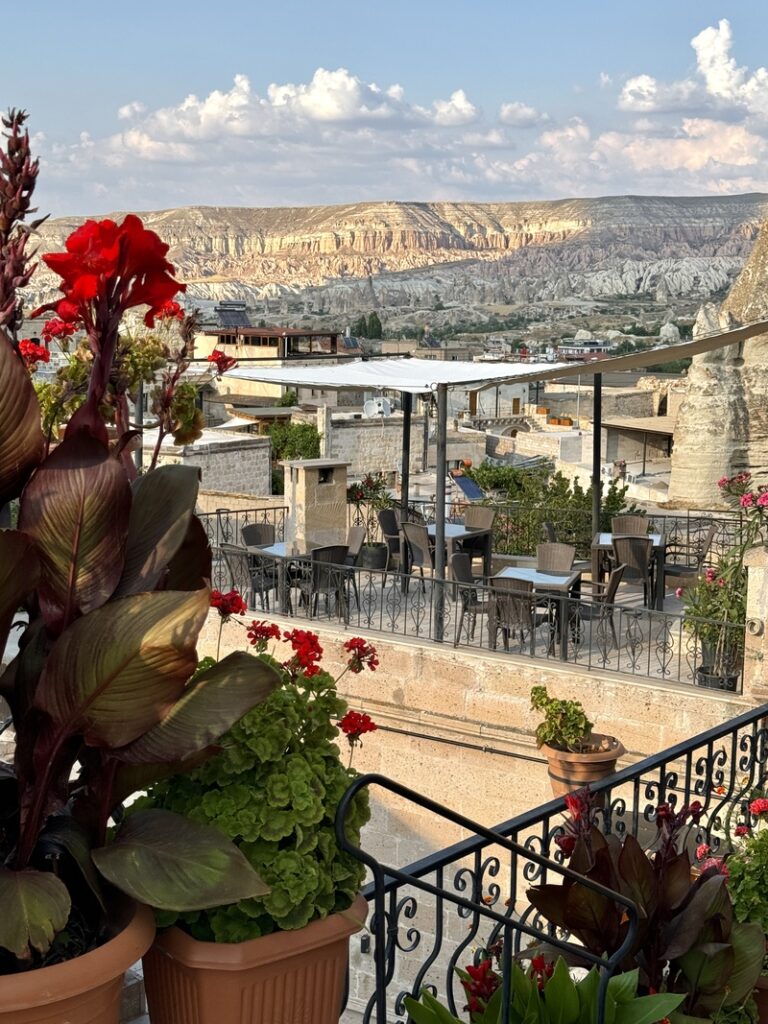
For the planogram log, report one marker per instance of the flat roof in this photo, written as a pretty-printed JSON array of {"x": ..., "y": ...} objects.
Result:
[
  {"x": 273, "y": 332},
  {"x": 643, "y": 424}
]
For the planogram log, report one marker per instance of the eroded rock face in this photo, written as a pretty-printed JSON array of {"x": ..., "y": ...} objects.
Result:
[
  {"x": 722, "y": 426},
  {"x": 346, "y": 259}
]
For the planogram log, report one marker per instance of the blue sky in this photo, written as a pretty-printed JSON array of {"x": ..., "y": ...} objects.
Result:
[{"x": 164, "y": 104}]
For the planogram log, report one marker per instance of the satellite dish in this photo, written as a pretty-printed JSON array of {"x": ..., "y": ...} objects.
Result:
[{"x": 377, "y": 408}]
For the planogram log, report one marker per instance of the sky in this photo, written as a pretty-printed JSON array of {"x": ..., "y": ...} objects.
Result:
[{"x": 155, "y": 105}]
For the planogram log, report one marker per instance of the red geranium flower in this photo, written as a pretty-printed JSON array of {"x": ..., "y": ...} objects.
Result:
[
  {"x": 362, "y": 654},
  {"x": 33, "y": 353},
  {"x": 56, "y": 328},
  {"x": 307, "y": 652},
  {"x": 355, "y": 724},
  {"x": 222, "y": 360},
  {"x": 228, "y": 604},
  {"x": 260, "y": 633},
  {"x": 759, "y": 806},
  {"x": 742, "y": 830}
]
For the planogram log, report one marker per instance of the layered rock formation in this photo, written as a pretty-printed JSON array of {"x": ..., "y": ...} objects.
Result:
[
  {"x": 722, "y": 426},
  {"x": 344, "y": 259}
]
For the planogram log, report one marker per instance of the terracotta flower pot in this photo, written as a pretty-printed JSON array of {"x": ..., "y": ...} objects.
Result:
[
  {"x": 569, "y": 770},
  {"x": 292, "y": 977},
  {"x": 85, "y": 990}
]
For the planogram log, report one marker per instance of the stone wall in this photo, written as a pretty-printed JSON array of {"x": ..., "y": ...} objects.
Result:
[
  {"x": 240, "y": 465},
  {"x": 209, "y": 501},
  {"x": 616, "y": 402},
  {"x": 562, "y": 446}
]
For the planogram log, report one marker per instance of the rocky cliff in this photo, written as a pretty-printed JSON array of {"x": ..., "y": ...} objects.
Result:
[
  {"x": 722, "y": 426},
  {"x": 342, "y": 259}
]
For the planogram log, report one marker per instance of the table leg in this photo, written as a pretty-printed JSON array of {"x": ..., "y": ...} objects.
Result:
[
  {"x": 562, "y": 607},
  {"x": 595, "y": 567}
]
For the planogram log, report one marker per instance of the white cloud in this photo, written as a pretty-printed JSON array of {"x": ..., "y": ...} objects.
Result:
[
  {"x": 643, "y": 94},
  {"x": 520, "y": 115},
  {"x": 131, "y": 110},
  {"x": 339, "y": 138},
  {"x": 457, "y": 110},
  {"x": 605, "y": 80}
]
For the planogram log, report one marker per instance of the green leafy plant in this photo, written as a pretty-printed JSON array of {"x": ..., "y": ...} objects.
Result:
[
  {"x": 369, "y": 496},
  {"x": 112, "y": 574},
  {"x": 274, "y": 788},
  {"x": 549, "y": 996},
  {"x": 565, "y": 725},
  {"x": 687, "y": 941},
  {"x": 748, "y": 867}
]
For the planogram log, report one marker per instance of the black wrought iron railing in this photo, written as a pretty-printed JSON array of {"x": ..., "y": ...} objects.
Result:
[
  {"x": 224, "y": 526},
  {"x": 519, "y": 528},
  {"x": 433, "y": 915},
  {"x": 626, "y": 638}
]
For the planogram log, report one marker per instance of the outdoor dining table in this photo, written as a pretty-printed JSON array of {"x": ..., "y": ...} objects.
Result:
[
  {"x": 559, "y": 585},
  {"x": 603, "y": 542},
  {"x": 283, "y": 552},
  {"x": 455, "y": 533}
]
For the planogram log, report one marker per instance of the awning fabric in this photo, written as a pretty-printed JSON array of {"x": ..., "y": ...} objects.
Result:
[{"x": 422, "y": 376}]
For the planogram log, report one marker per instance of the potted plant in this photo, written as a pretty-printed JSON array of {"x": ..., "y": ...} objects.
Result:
[
  {"x": 575, "y": 755},
  {"x": 112, "y": 575},
  {"x": 368, "y": 497},
  {"x": 273, "y": 789},
  {"x": 687, "y": 937},
  {"x": 547, "y": 994},
  {"x": 715, "y": 606},
  {"x": 747, "y": 872}
]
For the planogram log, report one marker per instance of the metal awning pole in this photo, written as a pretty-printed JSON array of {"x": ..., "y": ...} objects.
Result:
[
  {"x": 645, "y": 449},
  {"x": 597, "y": 431},
  {"x": 442, "y": 460},
  {"x": 405, "y": 473}
]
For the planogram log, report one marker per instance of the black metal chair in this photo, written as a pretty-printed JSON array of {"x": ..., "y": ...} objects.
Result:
[
  {"x": 327, "y": 577},
  {"x": 248, "y": 575},
  {"x": 258, "y": 534}
]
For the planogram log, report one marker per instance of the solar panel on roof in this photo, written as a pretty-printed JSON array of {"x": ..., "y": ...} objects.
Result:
[
  {"x": 233, "y": 318},
  {"x": 469, "y": 488},
  {"x": 351, "y": 342}
]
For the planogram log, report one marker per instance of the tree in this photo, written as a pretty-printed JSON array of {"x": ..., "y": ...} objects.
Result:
[
  {"x": 374, "y": 326},
  {"x": 360, "y": 328},
  {"x": 292, "y": 441}
]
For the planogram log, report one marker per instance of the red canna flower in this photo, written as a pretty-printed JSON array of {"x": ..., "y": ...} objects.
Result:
[
  {"x": 170, "y": 310},
  {"x": 480, "y": 986},
  {"x": 363, "y": 655},
  {"x": 566, "y": 843}
]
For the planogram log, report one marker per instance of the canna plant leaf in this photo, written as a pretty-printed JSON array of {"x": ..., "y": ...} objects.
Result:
[
  {"x": 35, "y": 906},
  {"x": 19, "y": 571},
  {"x": 171, "y": 863},
  {"x": 76, "y": 509},
  {"x": 208, "y": 708},
  {"x": 163, "y": 503},
  {"x": 114, "y": 674}
]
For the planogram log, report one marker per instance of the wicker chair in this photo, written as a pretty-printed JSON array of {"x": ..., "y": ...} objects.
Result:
[
  {"x": 390, "y": 531},
  {"x": 630, "y": 526},
  {"x": 555, "y": 557},
  {"x": 636, "y": 554},
  {"x": 478, "y": 517},
  {"x": 512, "y": 609},
  {"x": 421, "y": 553},
  {"x": 466, "y": 590},
  {"x": 600, "y": 608},
  {"x": 679, "y": 569}
]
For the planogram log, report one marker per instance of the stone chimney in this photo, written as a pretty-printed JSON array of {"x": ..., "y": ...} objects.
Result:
[{"x": 316, "y": 490}]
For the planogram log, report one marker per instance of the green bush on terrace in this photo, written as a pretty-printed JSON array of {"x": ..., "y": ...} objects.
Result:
[{"x": 541, "y": 496}]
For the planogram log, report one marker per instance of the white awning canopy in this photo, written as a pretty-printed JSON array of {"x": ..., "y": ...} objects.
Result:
[{"x": 422, "y": 376}]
